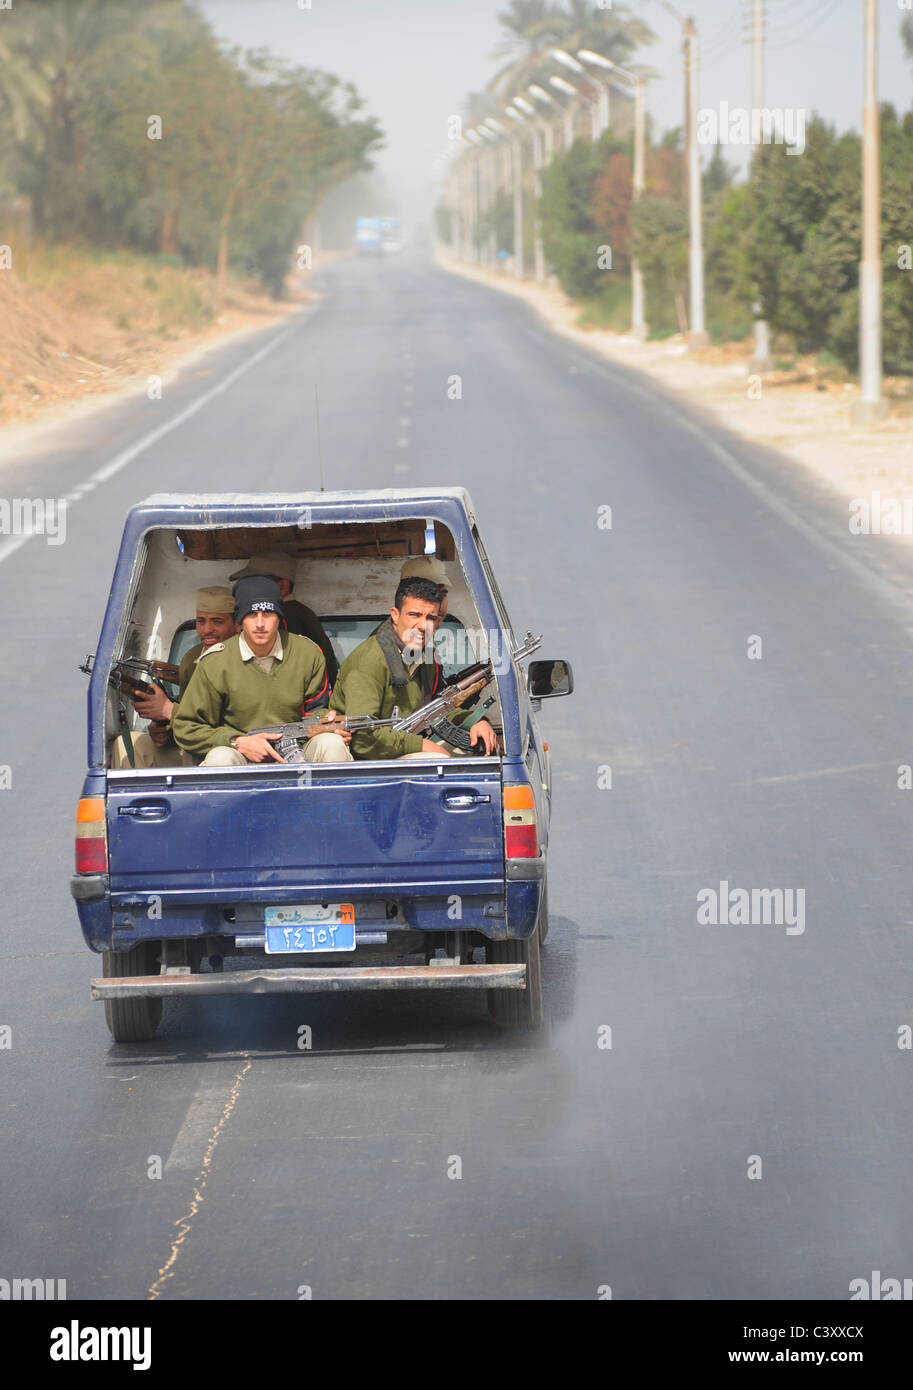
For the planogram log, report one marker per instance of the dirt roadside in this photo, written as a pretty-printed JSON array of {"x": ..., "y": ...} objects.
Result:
[
  {"x": 808, "y": 421},
  {"x": 65, "y": 356}
]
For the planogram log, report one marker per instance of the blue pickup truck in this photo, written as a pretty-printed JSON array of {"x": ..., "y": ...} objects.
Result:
[{"x": 397, "y": 874}]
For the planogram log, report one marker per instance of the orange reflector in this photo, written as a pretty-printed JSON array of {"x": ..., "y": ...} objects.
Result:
[
  {"x": 518, "y": 798},
  {"x": 90, "y": 808}
]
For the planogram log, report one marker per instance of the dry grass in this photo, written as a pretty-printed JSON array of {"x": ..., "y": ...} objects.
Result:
[{"x": 77, "y": 322}]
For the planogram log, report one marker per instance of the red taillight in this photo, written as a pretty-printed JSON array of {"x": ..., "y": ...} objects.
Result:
[
  {"x": 521, "y": 842},
  {"x": 91, "y": 837},
  {"x": 521, "y": 833}
]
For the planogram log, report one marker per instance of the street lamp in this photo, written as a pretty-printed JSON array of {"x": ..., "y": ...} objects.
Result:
[
  {"x": 871, "y": 405},
  {"x": 542, "y": 152},
  {"x": 638, "y": 322},
  {"x": 601, "y": 124},
  {"x": 697, "y": 336},
  {"x": 561, "y": 85},
  {"x": 475, "y": 140},
  {"x": 516, "y": 151}
]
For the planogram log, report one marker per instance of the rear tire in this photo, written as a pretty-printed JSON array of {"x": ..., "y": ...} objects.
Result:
[
  {"x": 515, "y": 1008},
  {"x": 132, "y": 1020}
]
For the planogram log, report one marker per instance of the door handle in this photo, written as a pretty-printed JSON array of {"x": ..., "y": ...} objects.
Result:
[
  {"x": 461, "y": 801},
  {"x": 155, "y": 811}
]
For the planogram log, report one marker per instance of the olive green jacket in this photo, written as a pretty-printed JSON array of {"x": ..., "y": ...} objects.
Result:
[
  {"x": 304, "y": 621},
  {"x": 229, "y": 696},
  {"x": 364, "y": 686}
]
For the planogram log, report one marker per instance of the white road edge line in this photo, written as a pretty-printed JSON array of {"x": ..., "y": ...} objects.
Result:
[
  {"x": 114, "y": 465},
  {"x": 885, "y": 588}
]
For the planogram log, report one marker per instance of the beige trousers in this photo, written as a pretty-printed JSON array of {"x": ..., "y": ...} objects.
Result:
[
  {"x": 146, "y": 754},
  {"x": 322, "y": 748}
]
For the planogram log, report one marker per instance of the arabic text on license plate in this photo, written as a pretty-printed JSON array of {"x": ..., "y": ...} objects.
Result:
[{"x": 310, "y": 927}]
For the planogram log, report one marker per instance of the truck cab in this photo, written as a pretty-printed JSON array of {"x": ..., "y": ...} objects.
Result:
[{"x": 404, "y": 873}]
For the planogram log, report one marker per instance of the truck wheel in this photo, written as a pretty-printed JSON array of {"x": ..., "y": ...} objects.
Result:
[
  {"x": 132, "y": 1020},
  {"x": 514, "y": 1008}
]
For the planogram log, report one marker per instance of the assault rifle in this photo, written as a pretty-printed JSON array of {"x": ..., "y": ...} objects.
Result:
[
  {"x": 429, "y": 718},
  {"x": 135, "y": 674}
]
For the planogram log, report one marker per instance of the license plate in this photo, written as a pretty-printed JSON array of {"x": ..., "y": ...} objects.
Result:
[{"x": 310, "y": 927}]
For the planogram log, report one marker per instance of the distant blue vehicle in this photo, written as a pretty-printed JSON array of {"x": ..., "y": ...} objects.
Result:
[
  {"x": 369, "y": 236},
  {"x": 324, "y": 876}
]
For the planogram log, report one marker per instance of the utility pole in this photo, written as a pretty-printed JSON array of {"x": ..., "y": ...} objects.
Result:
[
  {"x": 638, "y": 321},
  {"x": 871, "y": 405},
  {"x": 762, "y": 360},
  {"x": 516, "y": 151},
  {"x": 697, "y": 335}
]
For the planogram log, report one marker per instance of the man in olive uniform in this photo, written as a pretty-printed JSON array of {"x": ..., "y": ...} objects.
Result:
[
  {"x": 300, "y": 619},
  {"x": 156, "y": 747},
  {"x": 387, "y": 670},
  {"x": 260, "y": 677},
  {"x": 152, "y": 747}
]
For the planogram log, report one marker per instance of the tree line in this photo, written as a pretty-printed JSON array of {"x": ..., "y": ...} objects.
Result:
[
  {"x": 129, "y": 125},
  {"x": 787, "y": 238}
]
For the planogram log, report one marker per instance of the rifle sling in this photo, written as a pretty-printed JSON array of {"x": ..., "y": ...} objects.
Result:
[
  {"x": 126, "y": 735},
  {"x": 393, "y": 653}
]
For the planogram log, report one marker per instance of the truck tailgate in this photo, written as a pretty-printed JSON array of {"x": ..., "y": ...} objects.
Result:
[{"x": 255, "y": 832}]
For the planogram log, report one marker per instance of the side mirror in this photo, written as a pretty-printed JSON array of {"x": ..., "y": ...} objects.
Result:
[{"x": 545, "y": 679}]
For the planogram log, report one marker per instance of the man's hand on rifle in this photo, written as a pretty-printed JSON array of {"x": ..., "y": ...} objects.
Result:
[
  {"x": 486, "y": 733},
  {"x": 258, "y": 748},
  {"x": 326, "y": 725},
  {"x": 154, "y": 706}
]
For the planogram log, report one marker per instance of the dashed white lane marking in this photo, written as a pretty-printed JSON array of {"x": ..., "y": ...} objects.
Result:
[{"x": 199, "y": 1121}]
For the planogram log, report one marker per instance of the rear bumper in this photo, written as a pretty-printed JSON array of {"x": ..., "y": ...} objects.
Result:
[
  {"x": 313, "y": 981},
  {"x": 525, "y": 869},
  {"x": 89, "y": 888},
  {"x": 118, "y": 920}
]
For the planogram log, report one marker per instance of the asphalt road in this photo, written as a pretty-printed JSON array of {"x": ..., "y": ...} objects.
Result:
[{"x": 582, "y": 1165}]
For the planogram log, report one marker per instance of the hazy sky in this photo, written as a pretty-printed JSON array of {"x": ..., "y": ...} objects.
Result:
[{"x": 414, "y": 60}]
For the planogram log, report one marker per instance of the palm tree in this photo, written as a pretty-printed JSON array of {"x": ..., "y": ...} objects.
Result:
[
  {"x": 535, "y": 27},
  {"x": 614, "y": 33},
  {"x": 906, "y": 33},
  {"x": 532, "y": 27}
]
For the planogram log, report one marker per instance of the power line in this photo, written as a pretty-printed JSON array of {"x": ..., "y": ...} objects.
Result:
[{"x": 785, "y": 40}]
